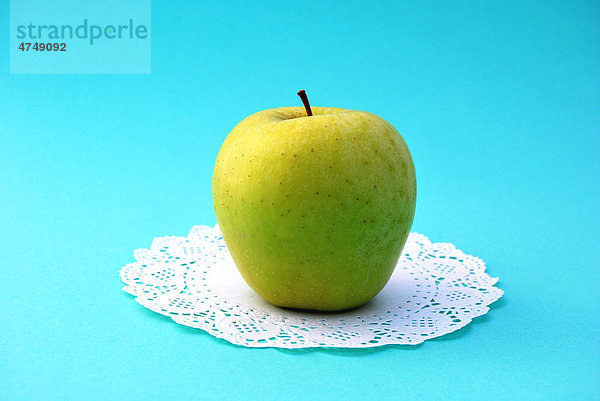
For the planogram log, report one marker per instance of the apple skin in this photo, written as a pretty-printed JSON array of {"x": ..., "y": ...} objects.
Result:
[{"x": 315, "y": 210}]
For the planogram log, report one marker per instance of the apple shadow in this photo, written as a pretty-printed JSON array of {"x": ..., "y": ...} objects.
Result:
[
  {"x": 346, "y": 352},
  {"x": 354, "y": 352}
]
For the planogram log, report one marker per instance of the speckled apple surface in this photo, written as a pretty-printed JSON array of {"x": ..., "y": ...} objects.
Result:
[
  {"x": 315, "y": 209},
  {"x": 498, "y": 103}
]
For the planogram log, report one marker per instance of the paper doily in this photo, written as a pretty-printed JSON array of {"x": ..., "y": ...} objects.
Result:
[{"x": 434, "y": 290}]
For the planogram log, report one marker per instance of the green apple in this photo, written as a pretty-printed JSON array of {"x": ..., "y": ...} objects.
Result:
[{"x": 315, "y": 209}]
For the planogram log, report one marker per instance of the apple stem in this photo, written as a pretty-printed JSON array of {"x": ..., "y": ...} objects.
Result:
[{"x": 304, "y": 98}]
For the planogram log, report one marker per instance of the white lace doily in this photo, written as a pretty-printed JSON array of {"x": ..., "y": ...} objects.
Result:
[{"x": 435, "y": 289}]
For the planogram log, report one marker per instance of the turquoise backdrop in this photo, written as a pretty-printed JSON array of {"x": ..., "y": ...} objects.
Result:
[{"x": 498, "y": 102}]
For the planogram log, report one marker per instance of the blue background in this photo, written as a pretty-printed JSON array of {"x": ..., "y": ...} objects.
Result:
[
  {"x": 498, "y": 102},
  {"x": 104, "y": 56}
]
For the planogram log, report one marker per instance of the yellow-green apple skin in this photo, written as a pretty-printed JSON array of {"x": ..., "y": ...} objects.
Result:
[{"x": 315, "y": 210}]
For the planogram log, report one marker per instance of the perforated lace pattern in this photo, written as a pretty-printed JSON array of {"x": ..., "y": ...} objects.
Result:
[{"x": 435, "y": 289}]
